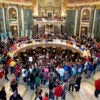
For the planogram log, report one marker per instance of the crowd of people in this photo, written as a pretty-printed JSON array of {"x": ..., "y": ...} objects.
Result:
[{"x": 61, "y": 71}]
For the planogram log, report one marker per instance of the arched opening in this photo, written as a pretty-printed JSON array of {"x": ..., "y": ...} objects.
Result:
[
  {"x": 12, "y": 14},
  {"x": 13, "y": 21},
  {"x": 86, "y": 15},
  {"x": 85, "y": 20}
]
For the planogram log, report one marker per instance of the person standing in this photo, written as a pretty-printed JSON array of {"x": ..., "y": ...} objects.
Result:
[
  {"x": 15, "y": 96},
  {"x": 37, "y": 81},
  {"x": 58, "y": 91},
  {"x": 46, "y": 97},
  {"x": 37, "y": 96},
  {"x": 65, "y": 86},
  {"x": 17, "y": 71},
  {"x": 6, "y": 72},
  {"x": 97, "y": 88},
  {"x": 14, "y": 85},
  {"x": 78, "y": 83},
  {"x": 51, "y": 95},
  {"x": 72, "y": 82},
  {"x": 3, "y": 93}
]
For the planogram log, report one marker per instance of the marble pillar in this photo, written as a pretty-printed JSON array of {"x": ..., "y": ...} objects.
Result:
[
  {"x": 22, "y": 17},
  {"x": 43, "y": 29},
  {"x": 3, "y": 12},
  {"x": 62, "y": 28},
  {"x": 75, "y": 27},
  {"x": 93, "y": 24}
]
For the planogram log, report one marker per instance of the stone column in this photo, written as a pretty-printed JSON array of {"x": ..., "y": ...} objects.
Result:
[
  {"x": 75, "y": 27},
  {"x": 93, "y": 23},
  {"x": 63, "y": 29},
  {"x": 3, "y": 12},
  {"x": 43, "y": 29},
  {"x": 35, "y": 29},
  {"x": 55, "y": 29},
  {"x": 22, "y": 17},
  {"x": 36, "y": 7}
]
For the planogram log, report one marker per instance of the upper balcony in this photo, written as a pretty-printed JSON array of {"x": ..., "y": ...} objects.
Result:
[{"x": 49, "y": 20}]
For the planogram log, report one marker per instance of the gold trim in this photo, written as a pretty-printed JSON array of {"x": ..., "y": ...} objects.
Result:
[{"x": 16, "y": 3}]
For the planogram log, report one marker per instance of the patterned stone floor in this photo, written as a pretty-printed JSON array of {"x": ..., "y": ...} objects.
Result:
[
  {"x": 96, "y": 76},
  {"x": 86, "y": 92},
  {"x": 21, "y": 89}
]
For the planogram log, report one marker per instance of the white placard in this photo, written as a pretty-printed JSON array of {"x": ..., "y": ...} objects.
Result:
[{"x": 30, "y": 59}]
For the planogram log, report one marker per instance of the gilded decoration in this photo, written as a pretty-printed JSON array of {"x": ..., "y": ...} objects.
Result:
[{"x": 47, "y": 3}]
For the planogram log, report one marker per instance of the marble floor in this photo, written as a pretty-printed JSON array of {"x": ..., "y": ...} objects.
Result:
[
  {"x": 86, "y": 92},
  {"x": 21, "y": 88}
]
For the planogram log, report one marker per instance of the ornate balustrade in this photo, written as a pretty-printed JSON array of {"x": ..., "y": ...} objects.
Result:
[{"x": 65, "y": 44}]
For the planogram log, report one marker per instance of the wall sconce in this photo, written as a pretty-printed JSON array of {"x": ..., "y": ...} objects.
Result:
[
  {"x": 84, "y": 13},
  {"x": 15, "y": 28},
  {"x": 14, "y": 12}
]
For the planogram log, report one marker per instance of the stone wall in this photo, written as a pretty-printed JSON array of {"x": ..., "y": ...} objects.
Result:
[
  {"x": 70, "y": 21},
  {"x": 28, "y": 21},
  {"x": 97, "y": 25}
]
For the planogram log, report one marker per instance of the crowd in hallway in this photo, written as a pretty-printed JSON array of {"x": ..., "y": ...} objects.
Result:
[{"x": 60, "y": 72}]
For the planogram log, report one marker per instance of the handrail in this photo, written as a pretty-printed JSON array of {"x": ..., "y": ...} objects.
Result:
[{"x": 82, "y": 50}]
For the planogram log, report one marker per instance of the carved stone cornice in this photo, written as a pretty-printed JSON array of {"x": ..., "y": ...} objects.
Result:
[
  {"x": 50, "y": 22},
  {"x": 16, "y": 3}
]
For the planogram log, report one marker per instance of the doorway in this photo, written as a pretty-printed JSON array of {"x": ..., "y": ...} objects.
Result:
[
  {"x": 84, "y": 30},
  {"x": 49, "y": 28},
  {"x": 14, "y": 30},
  {"x": 49, "y": 15}
]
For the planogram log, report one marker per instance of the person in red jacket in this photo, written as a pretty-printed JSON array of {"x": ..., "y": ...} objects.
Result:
[
  {"x": 46, "y": 97},
  {"x": 58, "y": 91},
  {"x": 97, "y": 88},
  {"x": 17, "y": 71}
]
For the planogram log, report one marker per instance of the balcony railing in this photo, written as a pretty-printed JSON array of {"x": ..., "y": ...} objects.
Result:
[{"x": 49, "y": 19}]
